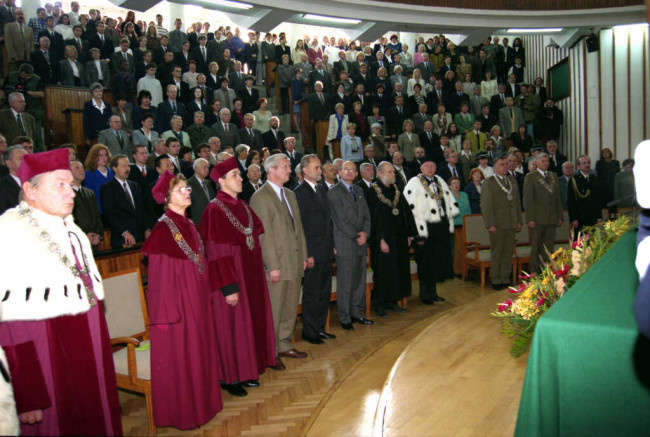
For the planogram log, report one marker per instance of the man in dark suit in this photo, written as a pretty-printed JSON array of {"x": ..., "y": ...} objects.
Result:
[
  {"x": 555, "y": 158},
  {"x": 165, "y": 68},
  {"x": 56, "y": 41},
  {"x": 342, "y": 65},
  {"x": 351, "y": 220},
  {"x": 249, "y": 136},
  {"x": 317, "y": 226},
  {"x": 429, "y": 140},
  {"x": 225, "y": 130},
  {"x": 159, "y": 52},
  {"x": 183, "y": 93},
  {"x": 122, "y": 206},
  {"x": 319, "y": 74},
  {"x": 202, "y": 55},
  {"x": 367, "y": 172},
  {"x": 364, "y": 77},
  {"x": 583, "y": 201},
  {"x": 44, "y": 62},
  {"x": 426, "y": 68},
  {"x": 86, "y": 213},
  {"x": 168, "y": 108},
  {"x": 236, "y": 77},
  {"x": 290, "y": 151},
  {"x": 254, "y": 182},
  {"x": 452, "y": 169},
  {"x": 456, "y": 99},
  {"x": 396, "y": 116},
  {"x": 487, "y": 119},
  {"x": 202, "y": 190},
  {"x": 249, "y": 95},
  {"x": 102, "y": 41},
  {"x": 403, "y": 173},
  {"x": 512, "y": 88},
  {"x": 274, "y": 137},
  {"x": 80, "y": 44},
  {"x": 318, "y": 103},
  {"x": 122, "y": 55},
  {"x": 140, "y": 173},
  {"x": 15, "y": 121},
  {"x": 10, "y": 185}
]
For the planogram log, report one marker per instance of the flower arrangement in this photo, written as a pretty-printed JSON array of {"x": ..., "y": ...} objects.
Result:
[{"x": 537, "y": 293}]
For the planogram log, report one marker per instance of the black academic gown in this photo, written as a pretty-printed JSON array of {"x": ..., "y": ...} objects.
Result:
[{"x": 391, "y": 271}]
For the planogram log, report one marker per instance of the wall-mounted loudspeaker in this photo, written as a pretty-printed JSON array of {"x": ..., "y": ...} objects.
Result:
[{"x": 592, "y": 43}]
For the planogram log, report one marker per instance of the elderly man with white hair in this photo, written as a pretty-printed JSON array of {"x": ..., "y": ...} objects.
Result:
[{"x": 202, "y": 189}]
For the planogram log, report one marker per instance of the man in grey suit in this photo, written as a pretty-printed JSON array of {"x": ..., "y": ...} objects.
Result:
[
  {"x": 176, "y": 37},
  {"x": 116, "y": 139},
  {"x": 284, "y": 251},
  {"x": 510, "y": 117},
  {"x": 543, "y": 208},
  {"x": 501, "y": 209},
  {"x": 202, "y": 190},
  {"x": 225, "y": 130},
  {"x": 563, "y": 181},
  {"x": 94, "y": 66},
  {"x": 224, "y": 94},
  {"x": 351, "y": 219},
  {"x": 15, "y": 121},
  {"x": 477, "y": 101}
]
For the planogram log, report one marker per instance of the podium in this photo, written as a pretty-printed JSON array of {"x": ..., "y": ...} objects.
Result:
[
  {"x": 74, "y": 121},
  {"x": 320, "y": 134}
]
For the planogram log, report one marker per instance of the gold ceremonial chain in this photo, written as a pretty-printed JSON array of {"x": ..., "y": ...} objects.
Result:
[
  {"x": 248, "y": 232},
  {"x": 382, "y": 198},
  {"x": 577, "y": 191},
  {"x": 544, "y": 183},
  {"x": 178, "y": 237},
  {"x": 425, "y": 182},
  {"x": 55, "y": 248},
  {"x": 507, "y": 191}
]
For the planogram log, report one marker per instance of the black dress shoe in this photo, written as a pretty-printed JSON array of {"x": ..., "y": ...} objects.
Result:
[
  {"x": 498, "y": 286},
  {"x": 427, "y": 302},
  {"x": 396, "y": 309},
  {"x": 235, "y": 389},
  {"x": 347, "y": 326},
  {"x": 251, "y": 383},
  {"x": 362, "y": 321},
  {"x": 312, "y": 340},
  {"x": 438, "y": 298},
  {"x": 326, "y": 336}
]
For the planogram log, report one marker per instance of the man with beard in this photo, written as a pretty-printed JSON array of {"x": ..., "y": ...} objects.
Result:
[
  {"x": 433, "y": 206},
  {"x": 392, "y": 227},
  {"x": 317, "y": 225}
]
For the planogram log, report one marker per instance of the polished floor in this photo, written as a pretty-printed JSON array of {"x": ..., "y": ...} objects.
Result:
[{"x": 444, "y": 359}]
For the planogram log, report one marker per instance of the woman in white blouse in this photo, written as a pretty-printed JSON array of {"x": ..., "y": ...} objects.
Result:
[
  {"x": 189, "y": 77},
  {"x": 489, "y": 86},
  {"x": 417, "y": 78},
  {"x": 64, "y": 27}
]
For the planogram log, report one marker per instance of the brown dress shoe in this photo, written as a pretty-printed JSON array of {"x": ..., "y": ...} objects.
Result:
[
  {"x": 279, "y": 365},
  {"x": 293, "y": 353}
]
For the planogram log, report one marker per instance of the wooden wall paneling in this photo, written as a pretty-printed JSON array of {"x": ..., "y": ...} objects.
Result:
[
  {"x": 585, "y": 102},
  {"x": 607, "y": 106},
  {"x": 58, "y": 99},
  {"x": 636, "y": 83},
  {"x": 621, "y": 79}
]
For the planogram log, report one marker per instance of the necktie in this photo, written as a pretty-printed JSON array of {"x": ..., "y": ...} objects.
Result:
[
  {"x": 174, "y": 107},
  {"x": 453, "y": 172},
  {"x": 21, "y": 127},
  {"x": 227, "y": 99},
  {"x": 250, "y": 133},
  {"x": 144, "y": 172},
  {"x": 128, "y": 194},
  {"x": 354, "y": 198},
  {"x": 512, "y": 120},
  {"x": 286, "y": 205},
  {"x": 320, "y": 97},
  {"x": 503, "y": 100},
  {"x": 225, "y": 128},
  {"x": 439, "y": 96},
  {"x": 47, "y": 57},
  {"x": 205, "y": 189},
  {"x": 125, "y": 58},
  {"x": 119, "y": 138},
  {"x": 203, "y": 53},
  {"x": 101, "y": 38},
  {"x": 429, "y": 134}
]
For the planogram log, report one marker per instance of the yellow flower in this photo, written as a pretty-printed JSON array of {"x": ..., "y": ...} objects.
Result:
[
  {"x": 557, "y": 253},
  {"x": 546, "y": 281}
]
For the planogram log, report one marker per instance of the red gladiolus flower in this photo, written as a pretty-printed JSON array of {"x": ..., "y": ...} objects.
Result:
[
  {"x": 540, "y": 302},
  {"x": 505, "y": 305},
  {"x": 563, "y": 271}
]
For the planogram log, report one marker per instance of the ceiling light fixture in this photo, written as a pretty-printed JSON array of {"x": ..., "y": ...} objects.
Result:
[
  {"x": 330, "y": 19},
  {"x": 539, "y": 30},
  {"x": 229, "y": 4}
]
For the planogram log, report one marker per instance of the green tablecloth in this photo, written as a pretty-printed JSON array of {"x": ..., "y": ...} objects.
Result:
[{"x": 580, "y": 379}]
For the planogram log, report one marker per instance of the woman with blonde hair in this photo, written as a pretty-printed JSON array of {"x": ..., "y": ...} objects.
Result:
[
  {"x": 97, "y": 170},
  {"x": 408, "y": 141}
]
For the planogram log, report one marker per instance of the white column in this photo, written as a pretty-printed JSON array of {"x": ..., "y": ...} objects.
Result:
[
  {"x": 172, "y": 11},
  {"x": 29, "y": 7}
]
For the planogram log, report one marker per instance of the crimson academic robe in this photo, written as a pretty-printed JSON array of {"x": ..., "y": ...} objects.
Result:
[
  {"x": 184, "y": 362},
  {"x": 245, "y": 331}
]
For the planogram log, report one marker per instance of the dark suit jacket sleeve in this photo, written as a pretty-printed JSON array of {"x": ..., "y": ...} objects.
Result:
[{"x": 337, "y": 206}]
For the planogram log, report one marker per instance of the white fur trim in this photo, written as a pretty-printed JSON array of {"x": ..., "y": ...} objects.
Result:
[
  {"x": 32, "y": 269},
  {"x": 426, "y": 209}
]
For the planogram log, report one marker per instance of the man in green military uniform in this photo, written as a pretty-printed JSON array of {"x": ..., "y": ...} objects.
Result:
[
  {"x": 28, "y": 83},
  {"x": 543, "y": 208},
  {"x": 501, "y": 209}
]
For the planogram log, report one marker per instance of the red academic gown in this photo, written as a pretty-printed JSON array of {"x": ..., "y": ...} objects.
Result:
[
  {"x": 245, "y": 331},
  {"x": 184, "y": 362},
  {"x": 64, "y": 366}
]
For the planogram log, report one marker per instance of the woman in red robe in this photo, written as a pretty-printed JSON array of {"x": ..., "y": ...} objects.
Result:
[
  {"x": 184, "y": 362},
  {"x": 231, "y": 232}
]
